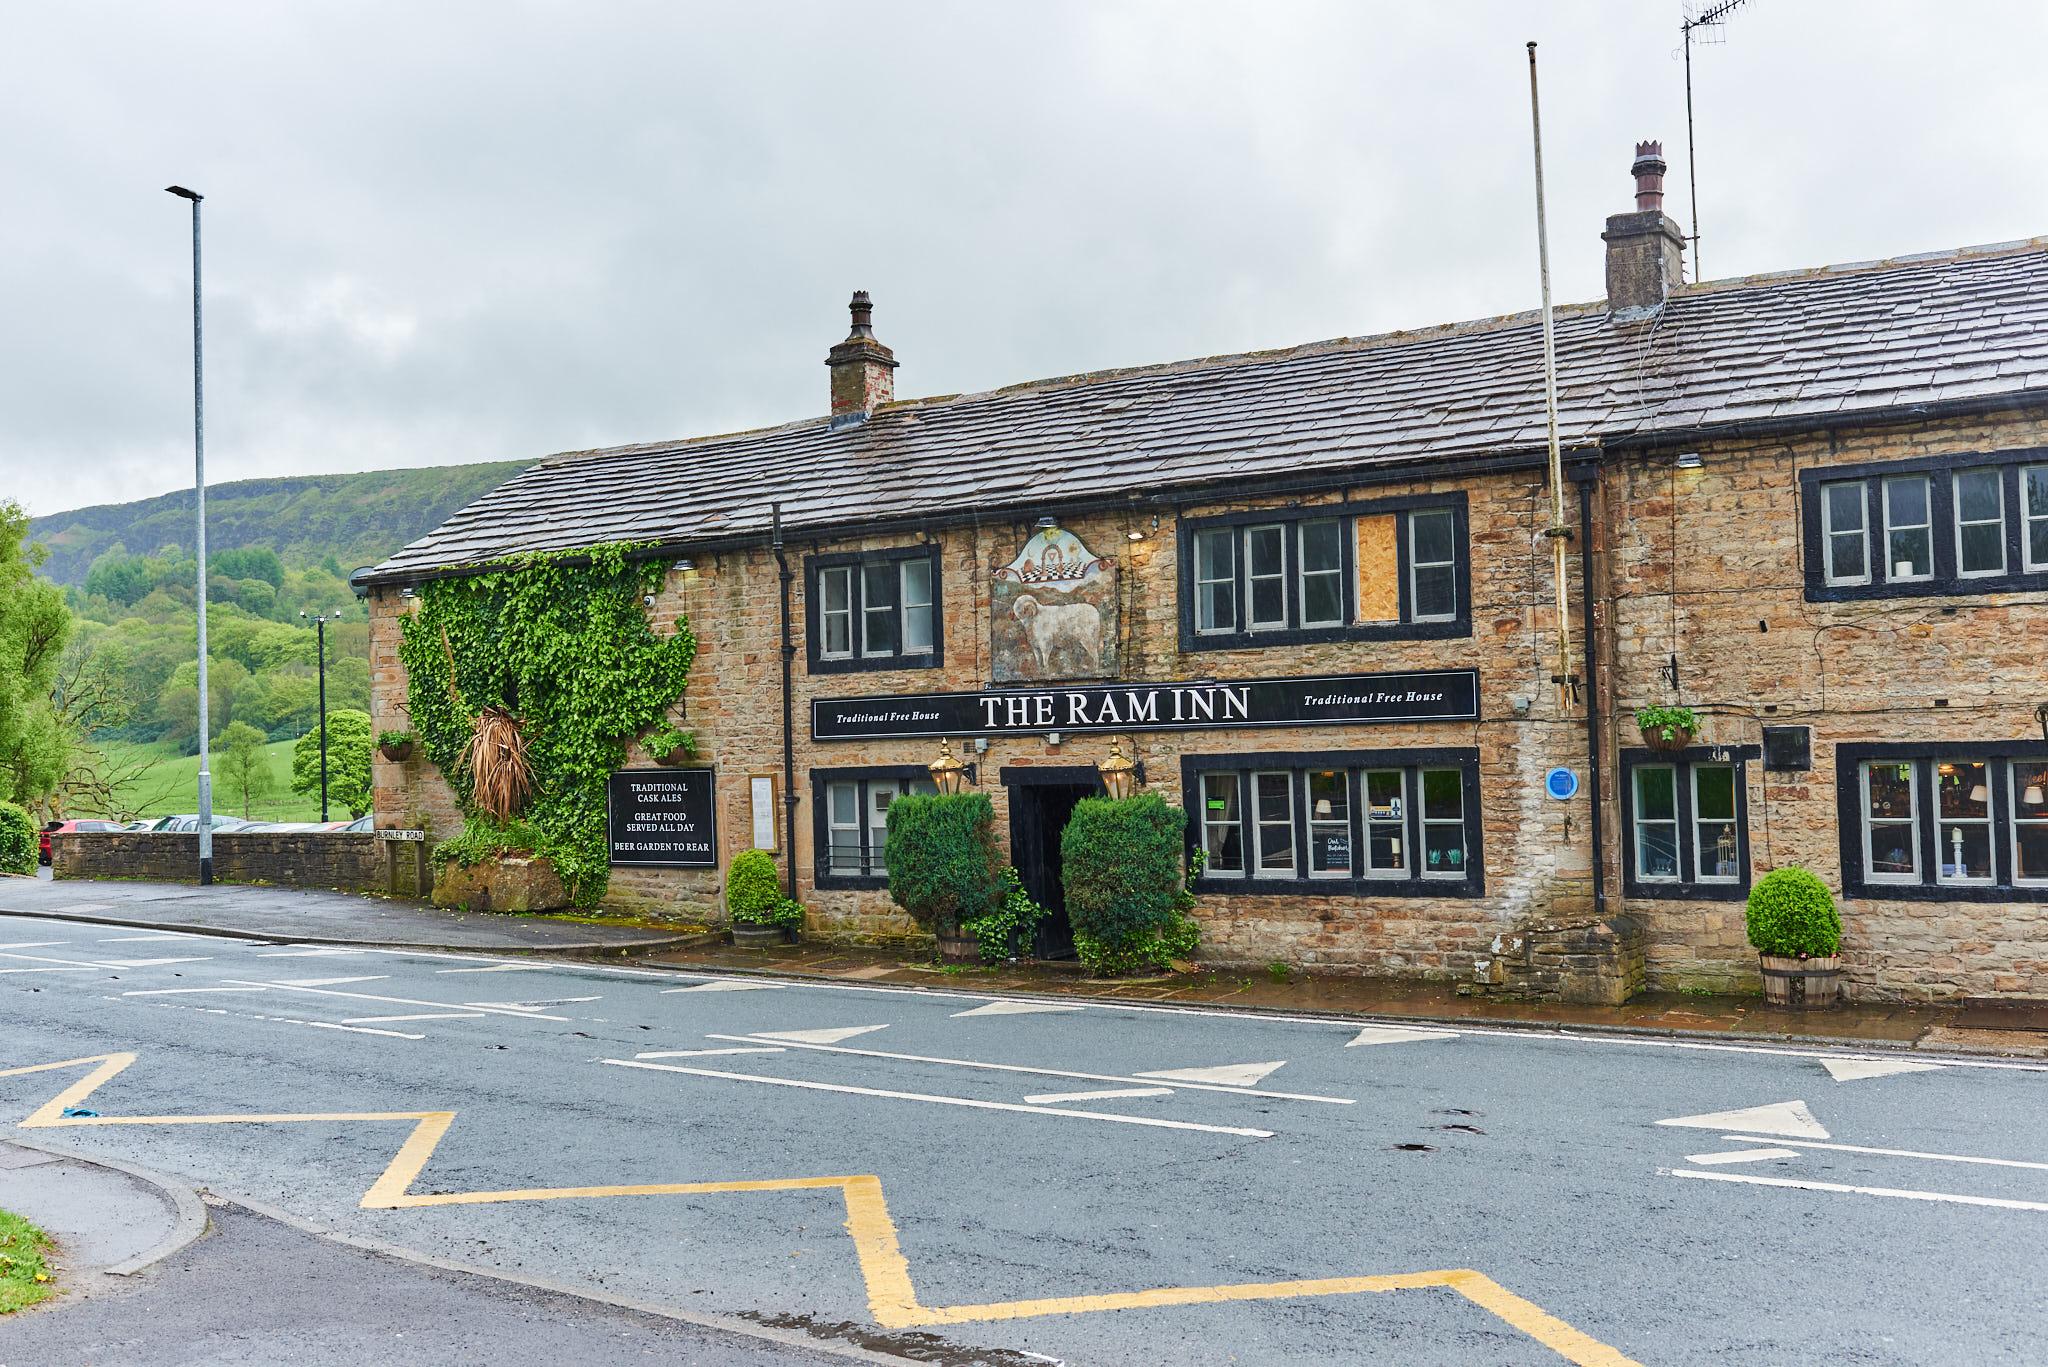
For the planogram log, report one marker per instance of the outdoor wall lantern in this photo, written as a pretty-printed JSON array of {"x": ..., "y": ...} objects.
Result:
[
  {"x": 1119, "y": 772},
  {"x": 949, "y": 774},
  {"x": 2041, "y": 716}
]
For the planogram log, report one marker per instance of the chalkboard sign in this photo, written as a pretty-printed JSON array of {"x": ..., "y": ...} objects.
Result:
[{"x": 664, "y": 818}]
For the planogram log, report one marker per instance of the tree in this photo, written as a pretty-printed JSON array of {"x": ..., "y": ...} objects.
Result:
[
  {"x": 34, "y": 625},
  {"x": 348, "y": 761},
  {"x": 244, "y": 766}
]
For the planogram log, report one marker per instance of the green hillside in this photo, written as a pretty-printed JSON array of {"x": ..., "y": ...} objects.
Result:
[
  {"x": 355, "y": 519},
  {"x": 170, "y": 786}
]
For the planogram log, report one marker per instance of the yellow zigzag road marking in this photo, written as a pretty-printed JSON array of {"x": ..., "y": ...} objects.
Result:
[{"x": 891, "y": 1296}]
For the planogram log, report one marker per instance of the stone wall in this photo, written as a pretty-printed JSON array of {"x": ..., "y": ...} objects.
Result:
[
  {"x": 354, "y": 861},
  {"x": 1590, "y": 963}
]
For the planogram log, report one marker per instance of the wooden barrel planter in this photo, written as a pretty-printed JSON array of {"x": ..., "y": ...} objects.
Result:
[
  {"x": 961, "y": 947},
  {"x": 1801, "y": 983},
  {"x": 747, "y": 935}
]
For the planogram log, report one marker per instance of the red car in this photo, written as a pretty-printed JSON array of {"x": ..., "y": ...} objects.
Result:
[{"x": 59, "y": 826}]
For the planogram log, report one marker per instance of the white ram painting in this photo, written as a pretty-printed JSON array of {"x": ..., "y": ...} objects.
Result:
[{"x": 1054, "y": 612}]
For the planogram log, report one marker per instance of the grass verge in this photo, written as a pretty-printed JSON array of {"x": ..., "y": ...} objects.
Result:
[{"x": 24, "y": 1274}]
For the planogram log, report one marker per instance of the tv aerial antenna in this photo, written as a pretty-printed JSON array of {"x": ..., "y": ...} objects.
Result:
[{"x": 1707, "y": 24}]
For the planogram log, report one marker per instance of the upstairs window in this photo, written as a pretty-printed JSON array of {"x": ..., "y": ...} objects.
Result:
[
  {"x": 874, "y": 610},
  {"x": 1951, "y": 525},
  {"x": 1380, "y": 570}
]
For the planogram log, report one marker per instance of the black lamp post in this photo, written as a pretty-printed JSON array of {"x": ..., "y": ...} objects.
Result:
[{"x": 320, "y": 628}]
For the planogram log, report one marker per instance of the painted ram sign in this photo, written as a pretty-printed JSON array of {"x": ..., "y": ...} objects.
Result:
[{"x": 1054, "y": 612}]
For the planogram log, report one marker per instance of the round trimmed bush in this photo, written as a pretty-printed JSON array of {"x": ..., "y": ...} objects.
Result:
[
  {"x": 1120, "y": 863},
  {"x": 944, "y": 867},
  {"x": 1792, "y": 915},
  {"x": 18, "y": 844},
  {"x": 753, "y": 888}
]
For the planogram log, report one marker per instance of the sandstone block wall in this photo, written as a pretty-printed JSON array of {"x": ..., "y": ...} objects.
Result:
[{"x": 353, "y": 860}]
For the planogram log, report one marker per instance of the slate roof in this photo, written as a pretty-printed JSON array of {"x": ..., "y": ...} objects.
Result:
[{"x": 1803, "y": 346}]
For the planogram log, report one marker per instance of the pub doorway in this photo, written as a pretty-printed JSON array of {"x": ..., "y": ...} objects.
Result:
[{"x": 1041, "y": 800}]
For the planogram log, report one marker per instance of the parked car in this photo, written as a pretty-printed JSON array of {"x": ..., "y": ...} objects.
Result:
[
  {"x": 57, "y": 827},
  {"x": 366, "y": 822},
  {"x": 284, "y": 827},
  {"x": 189, "y": 824}
]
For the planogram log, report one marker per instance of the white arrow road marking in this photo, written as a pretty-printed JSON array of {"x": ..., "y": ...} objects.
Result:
[
  {"x": 1708, "y": 1160},
  {"x": 1850, "y": 1069},
  {"x": 1111, "y": 1094},
  {"x": 1012, "y": 1008},
  {"x": 1229, "y": 1075},
  {"x": 1037, "y": 1072},
  {"x": 1780, "y": 1117},
  {"x": 1396, "y": 1034},
  {"x": 946, "y": 1100},
  {"x": 34, "y": 944},
  {"x": 76, "y": 968},
  {"x": 820, "y": 1036},
  {"x": 535, "y": 1004},
  {"x": 706, "y": 1053},
  {"x": 497, "y": 968},
  {"x": 726, "y": 985},
  {"x": 416, "y": 1016},
  {"x": 150, "y": 963},
  {"x": 330, "y": 982},
  {"x": 182, "y": 991},
  {"x": 1897, "y": 1193},
  {"x": 398, "y": 1001},
  {"x": 1906, "y": 1153},
  {"x": 144, "y": 939}
]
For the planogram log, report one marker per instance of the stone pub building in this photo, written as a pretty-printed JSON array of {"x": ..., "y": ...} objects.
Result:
[{"x": 1309, "y": 591}]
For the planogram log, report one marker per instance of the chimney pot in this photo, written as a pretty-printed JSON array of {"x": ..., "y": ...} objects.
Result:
[
  {"x": 863, "y": 370},
  {"x": 1649, "y": 172}
]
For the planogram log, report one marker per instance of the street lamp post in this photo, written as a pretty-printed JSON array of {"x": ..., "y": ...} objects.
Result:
[
  {"x": 320, "y": 629},
  {"x": 199, "y": 487}
]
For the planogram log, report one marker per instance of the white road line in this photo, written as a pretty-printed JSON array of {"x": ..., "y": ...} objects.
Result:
[
  {"x": 399, "y": 1001},
  {"x": 705, "y": 1053},
  {"x": 1897, "y": 1193},
  {"x": 725, "y": 985},
  {"x": 1896, "y": 1153},
  {"x": 415, "y": 1016},
  {"x": 1711, "y": 1160},
  {"x": 356, "y": 1029},
  {"x": 153, "y": 963},
  {"x": 311, "y": 953},
  {"x": 35, "y": 944},
  {"x": 182, "y": 991},
  {"x": 331, "y": 982},
  {"x": 1044, "y": 1072},
  {"x": 534, "y": 1005},
  {"x": 46, "y": 959},
  {"x": 144, "y": 939},
  {"x": 1111, "y": 1094},
  {"x": 497, "y": 968},
  {"x": 81, "y": 968},
  {"x": 945, "y": 1100}
]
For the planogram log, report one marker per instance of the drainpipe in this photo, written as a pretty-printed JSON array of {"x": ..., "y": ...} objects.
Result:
[
  {"x": 1583, "y": 476},
  {"x": 788, "y": 727}
]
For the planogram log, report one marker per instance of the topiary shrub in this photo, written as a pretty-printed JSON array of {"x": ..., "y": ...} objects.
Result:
[
  {"x": 1792, "y": 916},
  {"x": 753, "y": 889},
  {"x": 1126, "y": 897},
  {"x": 944, "y": 868},
  {"x": 18, "y": 840}
]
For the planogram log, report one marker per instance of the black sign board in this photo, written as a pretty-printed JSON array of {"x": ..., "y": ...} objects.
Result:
[
  {"x": 662, "y": 817},
  {"x": 1328, "y": 700}
]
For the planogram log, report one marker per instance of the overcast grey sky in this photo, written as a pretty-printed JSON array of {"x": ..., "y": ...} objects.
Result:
[{"x": 442, "y": 232}]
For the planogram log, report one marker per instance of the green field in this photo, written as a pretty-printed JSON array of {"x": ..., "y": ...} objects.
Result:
[{"x": 172, "y": 785}]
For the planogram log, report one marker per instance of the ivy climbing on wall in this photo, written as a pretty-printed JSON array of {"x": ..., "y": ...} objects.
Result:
[{"x": 562, "y": 642}]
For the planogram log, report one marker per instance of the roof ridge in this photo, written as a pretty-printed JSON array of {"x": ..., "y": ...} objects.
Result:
[{"x": 1988, "y": 251}]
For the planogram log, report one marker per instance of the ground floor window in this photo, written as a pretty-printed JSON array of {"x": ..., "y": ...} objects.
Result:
[
  {"x": 851, "y": 820},
  {"x": 1685, "y": 822},
  {"x": 1354, "y": 821},
  {"x": 1950, "y": 820}
]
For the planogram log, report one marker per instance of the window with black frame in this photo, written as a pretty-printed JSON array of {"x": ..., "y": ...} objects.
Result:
[
  {"x": 1385, "y": 569},
  {"x": 874, "y": 610},
  {"x": 1686, "y": 822},
  {"x": 1954, "y": 524},
  {"x": 1957, "y": 820},
  {"x": 1340, "y": 821},
  {"x": 851, "y": 828}
]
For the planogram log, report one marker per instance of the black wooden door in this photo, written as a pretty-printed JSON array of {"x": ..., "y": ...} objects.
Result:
[{"x": 1038, "y": 814}]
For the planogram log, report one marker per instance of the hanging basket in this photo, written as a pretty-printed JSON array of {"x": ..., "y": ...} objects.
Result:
[
  {"x": 1666, "y": 738},
  {"x": 397, "y": 754}
]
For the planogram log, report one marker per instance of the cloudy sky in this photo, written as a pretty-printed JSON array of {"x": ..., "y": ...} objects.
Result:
[{"x": 442, "y": 232}]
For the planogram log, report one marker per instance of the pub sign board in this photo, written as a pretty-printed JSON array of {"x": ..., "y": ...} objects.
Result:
[
  {"x": 1323, "y": 700},
  {"x": 662, "y": 818}
]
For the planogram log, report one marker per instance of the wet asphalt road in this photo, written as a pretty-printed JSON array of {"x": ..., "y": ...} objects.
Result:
[{"x": 981, "y": 1179}]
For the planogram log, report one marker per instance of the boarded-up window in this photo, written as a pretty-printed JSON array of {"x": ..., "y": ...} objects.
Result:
[{"x": 1379, "y": 569}]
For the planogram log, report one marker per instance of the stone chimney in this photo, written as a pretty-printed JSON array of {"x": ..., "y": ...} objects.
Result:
[
  {"x": 1645, "y": 249},
  {"x": 862, "y": 368}
]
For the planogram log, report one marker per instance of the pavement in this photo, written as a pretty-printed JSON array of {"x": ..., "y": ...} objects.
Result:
[
  {"x": 323, "y": 916},
  {"x": 959, "y": 1175}
]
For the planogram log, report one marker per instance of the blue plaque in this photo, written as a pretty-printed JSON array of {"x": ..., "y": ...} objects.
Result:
[{"x": 1561, "y": 784}]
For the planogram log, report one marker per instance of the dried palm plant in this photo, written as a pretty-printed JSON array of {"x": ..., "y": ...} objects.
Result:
[{"x": 500, "y": 774}]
